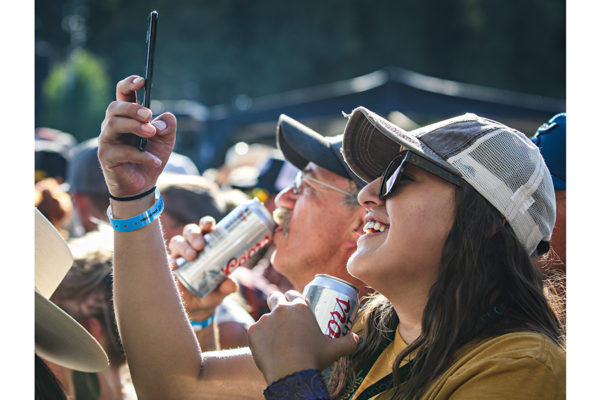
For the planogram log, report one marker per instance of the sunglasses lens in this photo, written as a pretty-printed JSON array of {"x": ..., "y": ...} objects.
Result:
[
  {"x": 391, "y": 175},
  {"x": 298, "y": 182},
  {"x": 391, "y": 180}
]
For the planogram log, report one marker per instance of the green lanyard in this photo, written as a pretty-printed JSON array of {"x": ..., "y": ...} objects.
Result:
[{"x": 384, "y": 383}]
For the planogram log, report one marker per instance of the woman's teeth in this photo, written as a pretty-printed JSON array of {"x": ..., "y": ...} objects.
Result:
[{"x": 372, "y": 227}]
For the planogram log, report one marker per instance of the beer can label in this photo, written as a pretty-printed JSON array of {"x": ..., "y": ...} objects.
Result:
[
  {"x": 334, "y": 303},
  {"x": 240, "y": 238}
]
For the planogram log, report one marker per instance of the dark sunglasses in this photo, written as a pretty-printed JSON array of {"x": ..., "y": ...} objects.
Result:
[{"x": 395, "y": 169}]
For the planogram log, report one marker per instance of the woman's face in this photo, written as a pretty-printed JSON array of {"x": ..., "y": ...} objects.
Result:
[{"x": 400, "y": 252}]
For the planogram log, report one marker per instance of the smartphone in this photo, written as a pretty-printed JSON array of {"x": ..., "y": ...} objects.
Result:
[{"x": 147, "y": 90}]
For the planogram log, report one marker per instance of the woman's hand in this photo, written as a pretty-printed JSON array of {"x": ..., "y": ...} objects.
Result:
[
  {"x": 288, "y": 339},
  {"x": 127, "y": 170}
]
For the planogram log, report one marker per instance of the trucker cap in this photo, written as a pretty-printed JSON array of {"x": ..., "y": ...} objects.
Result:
[
  {"x": 501, "y": 163},
  {"x": 301, "y": 145},
  {"x": 551, "y": 138}
]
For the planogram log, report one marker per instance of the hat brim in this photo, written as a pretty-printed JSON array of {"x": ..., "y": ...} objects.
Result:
[
  {"x": 52, "y": 256},
  {"x": 371, "y": 142},
  {"x": 301, "y": 145},
  {"x": 62, "y": 340}
]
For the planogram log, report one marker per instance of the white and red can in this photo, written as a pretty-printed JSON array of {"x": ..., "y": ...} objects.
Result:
[
  {"x": 334, "y": 303},
  {"x": 240, "y": 238}
]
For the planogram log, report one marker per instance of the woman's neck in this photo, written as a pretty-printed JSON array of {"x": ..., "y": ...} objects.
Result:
[{"x": 410, "y": 312}]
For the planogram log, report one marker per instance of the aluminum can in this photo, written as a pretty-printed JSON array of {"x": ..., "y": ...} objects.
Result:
[
  {"x": 334, "y": 303},
  {"x": 240, "y": 238}
]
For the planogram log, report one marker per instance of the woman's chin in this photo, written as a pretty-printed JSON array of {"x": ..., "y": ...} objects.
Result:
[{"x": 356, "y": 265}]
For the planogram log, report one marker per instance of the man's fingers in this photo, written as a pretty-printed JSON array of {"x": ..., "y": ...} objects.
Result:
[
  {"x": 193, "y": 236},
  {"x": 275, "y": 299},
  {"x": 127, "y": 87},
  {"x": 178, "y": 247},
  {"x": 207, "y": 224}
]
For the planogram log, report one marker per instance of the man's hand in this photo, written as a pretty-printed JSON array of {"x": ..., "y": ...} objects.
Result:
[
  {"x": 188, "y": 245},
  {"x": 127, "y": 170},
  {"x": 288, "y": 339}
]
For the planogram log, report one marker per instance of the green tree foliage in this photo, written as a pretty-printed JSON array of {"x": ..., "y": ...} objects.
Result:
[
  {"x": 76, "y": 93},
  {"x": 213, "y": 51}
]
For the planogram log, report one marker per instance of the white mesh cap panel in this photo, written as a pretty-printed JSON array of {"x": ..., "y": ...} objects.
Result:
[{"x": 506, "y": 168}]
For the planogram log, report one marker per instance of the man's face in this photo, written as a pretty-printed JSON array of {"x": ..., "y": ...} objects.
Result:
[{"x": 316, "y": 229}]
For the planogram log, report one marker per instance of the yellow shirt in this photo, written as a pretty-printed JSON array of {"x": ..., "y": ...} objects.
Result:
[{"x": 520, "y": 365}]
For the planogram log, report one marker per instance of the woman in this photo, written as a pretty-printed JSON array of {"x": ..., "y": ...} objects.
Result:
[{"x": 456, "y": 210}]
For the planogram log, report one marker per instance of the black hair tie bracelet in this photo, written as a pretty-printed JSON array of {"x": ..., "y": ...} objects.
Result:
[{"x": 137, "y": 196}]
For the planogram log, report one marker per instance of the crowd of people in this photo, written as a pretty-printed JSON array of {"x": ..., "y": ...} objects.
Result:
[{"x": 453, "y": 233}]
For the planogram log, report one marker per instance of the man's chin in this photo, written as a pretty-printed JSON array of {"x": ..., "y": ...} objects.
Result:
[{"x": 276, "y": 260}]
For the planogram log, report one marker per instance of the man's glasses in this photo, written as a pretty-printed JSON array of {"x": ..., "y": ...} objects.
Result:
[
  {"x": 393, "y": 173},
  {"x": 300, "y": 176}
]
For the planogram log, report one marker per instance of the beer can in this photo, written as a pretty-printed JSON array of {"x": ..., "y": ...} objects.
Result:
[
  {"x": 334, "y": 303},
  {"x": 240, "y": 238}
]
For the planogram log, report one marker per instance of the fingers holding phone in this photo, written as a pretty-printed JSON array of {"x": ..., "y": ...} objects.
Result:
[{"x": 127, "y": 170}]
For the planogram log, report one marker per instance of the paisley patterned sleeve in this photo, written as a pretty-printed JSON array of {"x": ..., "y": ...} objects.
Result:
[{"x": 307, "y": 384}]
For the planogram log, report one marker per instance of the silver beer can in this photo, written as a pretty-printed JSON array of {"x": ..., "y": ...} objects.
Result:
[
  {"x": 334, "y": 303},
  {"x": 238, "y": 239}
]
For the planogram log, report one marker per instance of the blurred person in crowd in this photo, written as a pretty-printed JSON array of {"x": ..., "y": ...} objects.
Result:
[
  {"x": 274, "y": 175},
  {"x": 188, "y": 198},
  {"x": 85, "y": 294},
  {"x": 52, "y": 154},
  {"x": 552, "y": 140},
  {"x": 242, "y": 161},
  {"x": 55, "y": 204},
  {"x": 320, "y": 222},
  {"x": 87, "y": 187},
  {"x": 51, "y": 161},
  {"x": 62, "y": 345},
  {"x": 457, "y": 211}
]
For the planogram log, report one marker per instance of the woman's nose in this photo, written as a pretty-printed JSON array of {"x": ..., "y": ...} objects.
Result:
[{"x": 369, "y": 195}]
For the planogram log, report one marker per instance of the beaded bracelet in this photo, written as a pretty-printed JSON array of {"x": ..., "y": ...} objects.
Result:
[{"x": 140, "y": 220}]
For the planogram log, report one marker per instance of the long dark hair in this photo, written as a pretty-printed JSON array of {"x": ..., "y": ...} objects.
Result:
[{"x": 487, "y": 286}]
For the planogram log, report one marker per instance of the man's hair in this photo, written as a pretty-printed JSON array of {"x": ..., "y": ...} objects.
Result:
[{"x": 483, "y": 266}]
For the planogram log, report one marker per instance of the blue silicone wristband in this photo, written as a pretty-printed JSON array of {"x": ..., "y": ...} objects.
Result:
[
  {"x": 140, "y": 220},
  {"x": 198, "y": 325}
]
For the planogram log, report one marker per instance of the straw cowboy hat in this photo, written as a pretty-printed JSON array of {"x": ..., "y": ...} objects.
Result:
[{"x": 58, "y": 337}]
